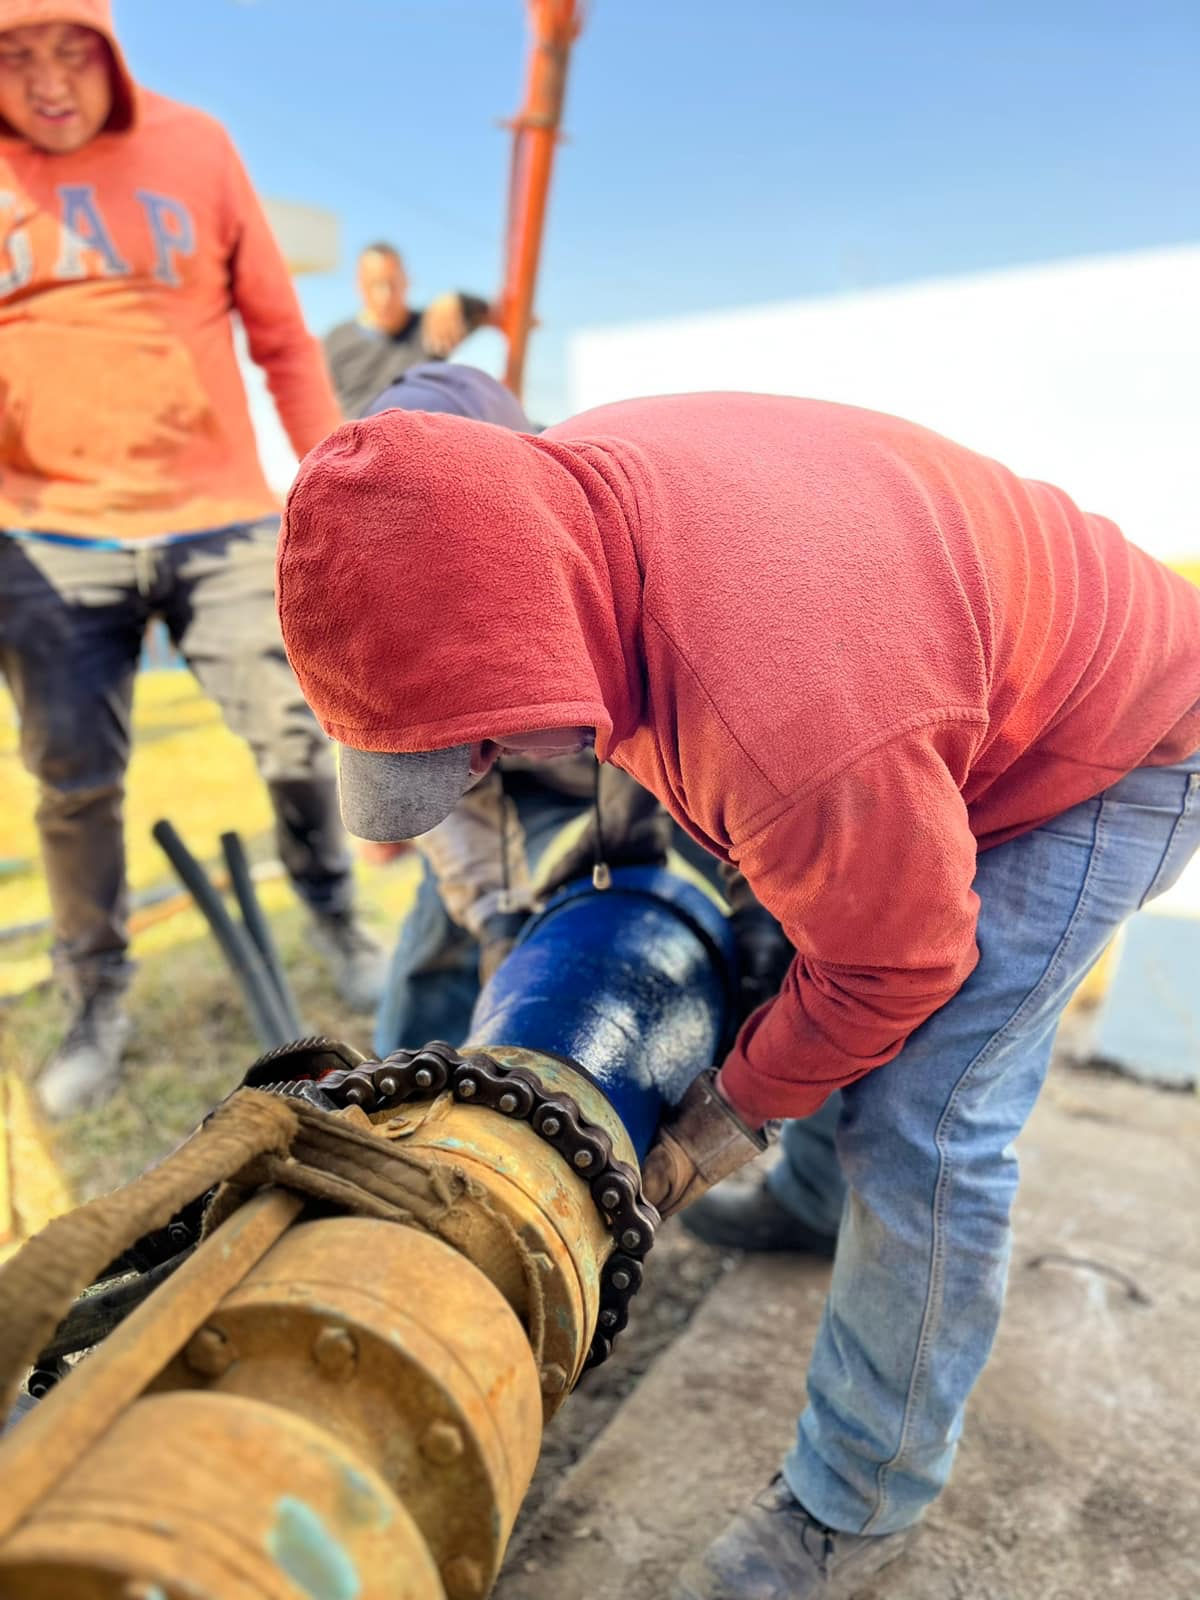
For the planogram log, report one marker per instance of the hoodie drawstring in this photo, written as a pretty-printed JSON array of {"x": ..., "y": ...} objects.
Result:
[
  {"x": 601, "y": 875},
  {"x": 506, "y": 899}
]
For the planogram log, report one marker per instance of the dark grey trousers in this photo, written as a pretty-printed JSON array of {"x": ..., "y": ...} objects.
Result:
[{"x": 72, "y": 620}]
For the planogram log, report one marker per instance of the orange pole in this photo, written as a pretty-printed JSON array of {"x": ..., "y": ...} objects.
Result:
[{"x": 556, "y": 25}]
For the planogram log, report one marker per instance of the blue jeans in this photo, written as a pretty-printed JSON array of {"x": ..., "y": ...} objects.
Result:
[
  {"x": 72, "y": 622},
  {"x": 925, "y": 1172}
]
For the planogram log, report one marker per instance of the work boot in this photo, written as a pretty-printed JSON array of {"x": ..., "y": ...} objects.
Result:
[
  {"x": 84, "y": 1070},
  {"x": 741, "y": 1217},
  {"x": 357, "y": 962},
  {"x": 775, "y": 1551}
]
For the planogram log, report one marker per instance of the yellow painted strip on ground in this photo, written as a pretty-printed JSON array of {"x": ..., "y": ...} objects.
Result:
[
  {"x": 32, "y": 1189},
  {"x": 7, "y": 1227},
  {"x": 18, "y": 976}
]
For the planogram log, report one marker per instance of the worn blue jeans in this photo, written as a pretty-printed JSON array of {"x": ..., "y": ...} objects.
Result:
[
  {"x": 918, "y": 1156},
  {"x": 72, "y": 621}
]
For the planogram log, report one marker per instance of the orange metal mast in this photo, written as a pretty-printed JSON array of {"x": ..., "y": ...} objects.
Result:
[{"x": 556, "y": 25}]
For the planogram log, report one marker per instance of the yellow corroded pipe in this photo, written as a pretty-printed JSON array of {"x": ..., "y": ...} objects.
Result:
[{"x": 361, "y": 1414}]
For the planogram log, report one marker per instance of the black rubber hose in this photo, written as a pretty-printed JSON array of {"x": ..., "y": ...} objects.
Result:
[
  {"x": 267, "y": 1015},
  {"x": 259, "y": 928},
  {"x": 94, "y": 1316}
]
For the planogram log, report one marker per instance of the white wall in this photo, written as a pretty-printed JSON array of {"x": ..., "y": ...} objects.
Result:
[
  {"x": 1085, "y": 373},
  {"x": 308, "y": 237},
  {"x": 276, "y": 454}
]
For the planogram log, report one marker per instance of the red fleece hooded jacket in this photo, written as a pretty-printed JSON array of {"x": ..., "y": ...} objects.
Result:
[{"x": 843, "y": 651}]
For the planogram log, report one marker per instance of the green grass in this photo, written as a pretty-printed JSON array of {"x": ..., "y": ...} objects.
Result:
[{"x": 193, "y": 1040}]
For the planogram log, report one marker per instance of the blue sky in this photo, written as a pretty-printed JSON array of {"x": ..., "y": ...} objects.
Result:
[{"x": 720, "y": 154}]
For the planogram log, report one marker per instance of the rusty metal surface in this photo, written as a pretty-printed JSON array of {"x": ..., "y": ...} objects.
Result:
[
  {"x": 355, "y": 1394},
  {"x": 549, "y": 1210},
  {"x": 406, "y": 1354},
  {"x": 428, "y": 1080},
  {"x": 218, "y": 1497},
  {"x": 425, "y": 1081},
  {"x": 551, "y": 1207},
  {"x": 72, "y": 1417},
  {"x": 591, "y": 1100}
]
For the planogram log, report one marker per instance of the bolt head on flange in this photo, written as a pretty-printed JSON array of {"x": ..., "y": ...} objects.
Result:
[
  {"x": 335, "y": 1353},
  {"x": 442, "y": 1443},
  {"x": 209, "y": 1352}
]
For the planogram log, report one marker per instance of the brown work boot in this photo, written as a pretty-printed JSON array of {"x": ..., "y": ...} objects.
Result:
[
  {"x": 85, "y": 1069},
  {"x": 775, "y": 1551}
]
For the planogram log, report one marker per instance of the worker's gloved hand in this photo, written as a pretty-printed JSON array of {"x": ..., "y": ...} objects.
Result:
[
  {"x": 702, "y": 1141},
  {"x": 764, "y": 955}
]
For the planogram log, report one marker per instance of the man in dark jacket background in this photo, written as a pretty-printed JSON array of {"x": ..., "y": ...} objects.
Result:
[{"x": 388, "y": 336}]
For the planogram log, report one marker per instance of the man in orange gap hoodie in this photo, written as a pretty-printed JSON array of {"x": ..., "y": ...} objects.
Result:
[
  {"x": 130, "y": 486},
  {"x": 944, "y": 722}
]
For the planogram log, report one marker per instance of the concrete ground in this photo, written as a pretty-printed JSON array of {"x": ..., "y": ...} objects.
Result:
[{"x": 1079, "y": 1473}]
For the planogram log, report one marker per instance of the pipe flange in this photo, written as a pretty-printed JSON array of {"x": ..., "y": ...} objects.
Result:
[{"x": 515, "y": 1092}]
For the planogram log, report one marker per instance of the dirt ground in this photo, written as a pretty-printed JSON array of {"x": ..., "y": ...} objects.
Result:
[
  {"x": 679, "y": 1274},
  {"x": 1076, "y": 1479}
]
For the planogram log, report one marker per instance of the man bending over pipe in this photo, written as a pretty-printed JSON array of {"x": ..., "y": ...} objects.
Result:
[
  {"x": 484, "y": 863},
  {"x": 944, "y": 722}
]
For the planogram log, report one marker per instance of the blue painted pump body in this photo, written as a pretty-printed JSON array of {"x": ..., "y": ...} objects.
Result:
[{"x": 633, "y": 983}]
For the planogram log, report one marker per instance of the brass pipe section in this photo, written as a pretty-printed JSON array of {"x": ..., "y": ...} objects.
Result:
[{"x": 359, "y": 1416}]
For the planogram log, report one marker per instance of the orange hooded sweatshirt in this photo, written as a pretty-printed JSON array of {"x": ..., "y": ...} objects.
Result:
[
  {"x": 122, "y": 410},
  {"x": 843, "y": 651}
]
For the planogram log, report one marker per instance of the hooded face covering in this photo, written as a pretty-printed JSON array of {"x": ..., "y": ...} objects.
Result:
[
  {"x": 442, "y": 582},
  {"x": 387, "y": 796}
]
